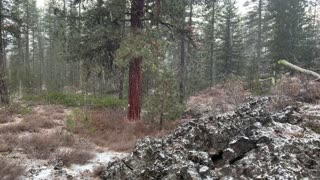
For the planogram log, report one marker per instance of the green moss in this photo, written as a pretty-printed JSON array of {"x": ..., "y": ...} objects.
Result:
[{"x": 281, "y": 61}]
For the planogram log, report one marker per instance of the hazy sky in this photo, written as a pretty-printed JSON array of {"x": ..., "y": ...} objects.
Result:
[{"x": 41, "y": 3}]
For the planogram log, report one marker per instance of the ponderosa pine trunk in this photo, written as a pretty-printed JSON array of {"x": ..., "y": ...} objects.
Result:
[
  {"x": 135, "y": 72},
  {"x": 4, "y": 95}
]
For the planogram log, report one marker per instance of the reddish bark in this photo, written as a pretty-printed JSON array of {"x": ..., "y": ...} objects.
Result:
[
  {"x": 135, "y": 73},
  {"x": 135, "y": 77}
]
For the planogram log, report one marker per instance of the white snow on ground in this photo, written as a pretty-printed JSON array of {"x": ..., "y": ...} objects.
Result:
[
  {"x": 100, "y": 159},
  {"x": 45, "y": 174},
  {"x": 45, "y": 170},
  {"x": 76, "y": 171}
]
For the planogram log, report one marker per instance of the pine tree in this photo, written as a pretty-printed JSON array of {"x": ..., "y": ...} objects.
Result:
[
  {"x": 256, "y": 35},
  {"x": 135, "y": 71},
  {"x": 289, "y": 22},
  {"x": 231, "y": 50},
  {"x": 4, "y": 94}
]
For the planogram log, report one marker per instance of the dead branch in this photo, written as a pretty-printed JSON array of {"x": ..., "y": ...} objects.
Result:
[{"x": 299, "y": 69}]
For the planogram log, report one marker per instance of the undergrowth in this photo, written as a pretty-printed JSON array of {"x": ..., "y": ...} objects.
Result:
[
  {"x": 110, "y": 128},
  {"x": 6, "y": 113},
  {"x": 291, "y": 90},
  {"x": 10, "y": 170},
  {"x": 74, "y": 156},
  {"x": 76, "y": 100}
]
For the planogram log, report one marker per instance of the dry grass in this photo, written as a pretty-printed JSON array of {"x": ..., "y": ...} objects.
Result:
[
  {"x": 17, "y": 128},
  {"x": 74, "y": 156},
  {"x": 10, "y": 170},
  {"x": 30, "y": 123},
  {"x": 110, "y": 128},
  {"x": 27, "y": 134},
  {"x": 55, "y": 112},
  {"x": 8, "y": 142},
  {"x": 41, "y": 146},
  {"x": 291, "y": 90},
  {"x": 5, "y": 147},
  {"x": 18, "y": 108},
  {"x": 98, "y": 171},
  {"x": 35, "y": 120},
  {"x": 222, "y": 98},
  {"x": 5, "y": 117}
]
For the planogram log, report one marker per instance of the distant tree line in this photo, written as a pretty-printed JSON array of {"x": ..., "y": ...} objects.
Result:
[{"x": 132, "y": 48}]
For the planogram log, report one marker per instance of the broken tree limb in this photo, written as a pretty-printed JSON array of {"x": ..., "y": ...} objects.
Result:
[
  {"x": 299, "y": 69},
  {"x": 271, "y": 79}
]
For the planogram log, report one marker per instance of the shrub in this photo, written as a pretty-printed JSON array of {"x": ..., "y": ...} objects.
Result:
[
  {"x": 17, "y": 108},
  {"x": 10, "y": 170},
  {"x": 291, "y": 90},
  {"x": 8, "y": 142},
  {"x": 163, "y": 103},
  {"x": 5, "y": 117},
  {"x": 41, "y": 146},
  {"x": 18, "y": 128},
  {"x": 78, "y": 119},
  {"x": 220, "y": 98},
  {"x": 4, "y": 147},
  {"x": 110, "y": 128},
  {"x": 70, "y": 123},
  {"x": 30, "y": 123},
  {"x": 74, "y": 156},
  {"x": 38, "y": 121}
]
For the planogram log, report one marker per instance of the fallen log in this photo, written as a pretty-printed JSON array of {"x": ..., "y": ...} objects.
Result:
[{"x": 299, "y": 69}]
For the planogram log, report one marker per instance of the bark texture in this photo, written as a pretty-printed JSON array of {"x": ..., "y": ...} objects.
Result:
[
  {"x": 135, "y": 77},
  {"x": 135, "y": 74}
]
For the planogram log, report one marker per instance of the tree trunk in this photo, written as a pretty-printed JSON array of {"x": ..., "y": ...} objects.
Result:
[
  {"x": 41, "y": 54},
  {"x": 79, "y": 11},
  {"x": 228, "y": 67},
  {"x": 4, "y": 94},
  {"x": 158, "y": 12},
  {"x": 135, "y": 72},
  {"x": 135, "y": 89},
  {"x": 121, "y": 82},
  {"x": 182, "y": 68},
  {"x": 189, "y": 69},
  {"x": 259, "y": 43},
  {"x": 27, "y": 53},
  {"x": 212, "y": 41}
]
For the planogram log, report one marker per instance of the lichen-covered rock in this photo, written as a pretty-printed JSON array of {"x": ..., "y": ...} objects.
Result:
[{"x": 249, "y": 143}]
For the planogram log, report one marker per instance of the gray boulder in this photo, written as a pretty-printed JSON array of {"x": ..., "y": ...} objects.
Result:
[{"x": 249, "y": 143}]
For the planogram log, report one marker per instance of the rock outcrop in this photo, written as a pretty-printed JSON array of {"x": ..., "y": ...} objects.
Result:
[{"x": 249, "y": 143}]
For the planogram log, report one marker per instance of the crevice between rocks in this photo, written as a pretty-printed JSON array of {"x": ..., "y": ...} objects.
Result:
[{"x": 217, "y": 157}]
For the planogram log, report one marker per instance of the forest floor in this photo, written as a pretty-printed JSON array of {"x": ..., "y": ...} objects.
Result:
[
  {"x": 41, "y": 141},
  {"x": 52, "y": 141}
]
